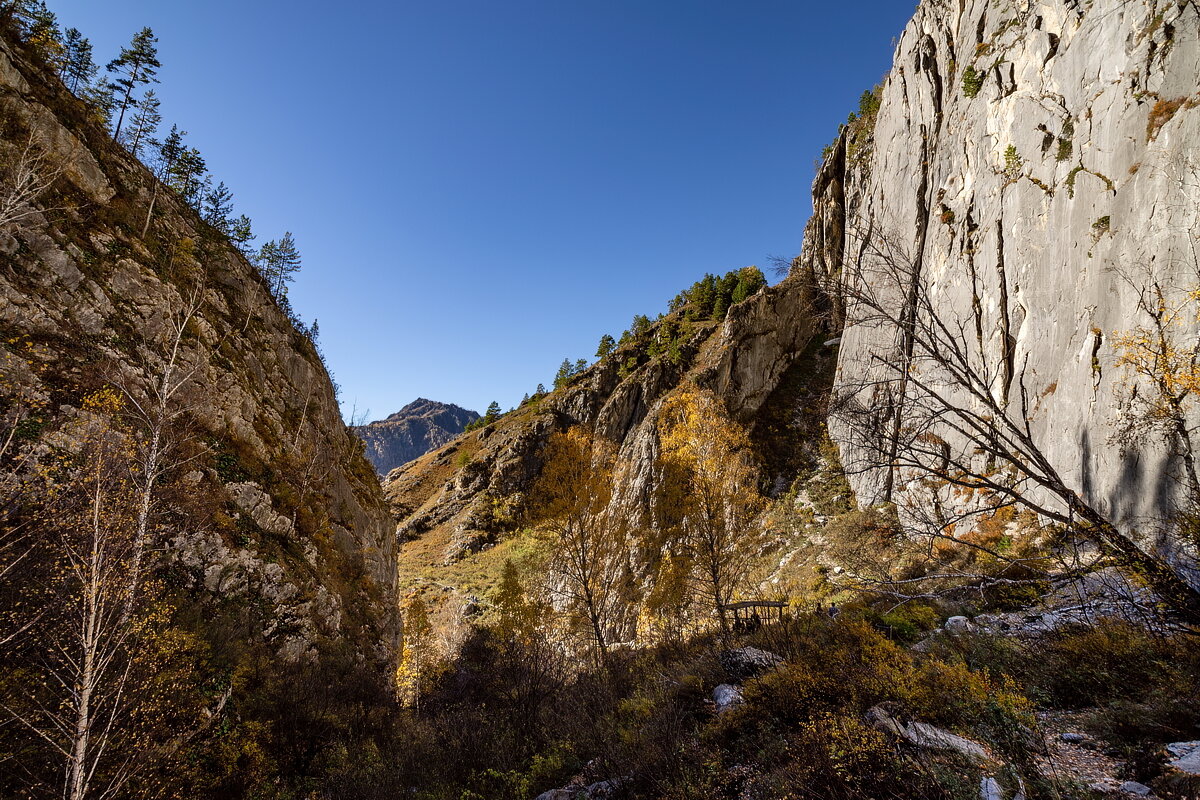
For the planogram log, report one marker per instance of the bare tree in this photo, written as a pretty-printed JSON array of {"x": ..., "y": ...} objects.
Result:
[
  {"x": 940, "y": 404},
  {"x": 154, "y": 403},
  {"x": 25, "y": 176}
]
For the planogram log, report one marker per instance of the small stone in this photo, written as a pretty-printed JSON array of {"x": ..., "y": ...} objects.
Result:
[
  {"x": 1073, "y": 738},
  {"x": 958, "y": 625},
  {"x": 1133, "y": 787},
  {"x": 727, "y": 696}
]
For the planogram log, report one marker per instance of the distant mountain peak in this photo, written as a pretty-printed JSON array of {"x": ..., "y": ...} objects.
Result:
[{"x": 414, "y": 430}]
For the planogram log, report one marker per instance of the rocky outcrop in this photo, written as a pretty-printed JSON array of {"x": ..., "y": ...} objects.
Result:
[
  {"x": 411, "y": 432},
  {"x": 1033, "y": 162},
  {"x": 473, "y": 489},
  {"x": 277, "y": 503}
]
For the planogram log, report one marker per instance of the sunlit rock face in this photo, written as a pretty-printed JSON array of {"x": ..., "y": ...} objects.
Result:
[{"x": 1037, "y": 163}]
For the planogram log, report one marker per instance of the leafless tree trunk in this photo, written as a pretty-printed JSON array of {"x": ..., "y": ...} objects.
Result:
[
  {"x": 966, "y": 422},
  {"x": 156, "y": 409},
  {"x": 26, "y": 176}
]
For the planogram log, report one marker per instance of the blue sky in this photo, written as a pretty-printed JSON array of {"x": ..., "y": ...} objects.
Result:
[{"x": 480, "y": 189}]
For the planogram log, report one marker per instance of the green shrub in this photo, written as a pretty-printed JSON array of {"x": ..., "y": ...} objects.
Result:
[{"x": 972, "y": 81}]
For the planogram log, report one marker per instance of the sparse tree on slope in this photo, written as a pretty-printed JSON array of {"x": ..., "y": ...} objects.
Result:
[
  {"x": 938, "y": 410},
  {"x": 607, "y": 345},
  {"x": 78, "y": 68},
  {"x": 279, "y": 262},
  {"x": 136, "y": 66},
  {"x": 143, "y": 125},
  {"x": 218, "y": 207}
]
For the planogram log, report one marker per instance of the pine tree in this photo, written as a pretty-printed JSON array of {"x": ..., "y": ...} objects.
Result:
[
  {"x": 607, "y": 345},
  {"x": 749, "y": 281},
  {"x": 492, "y": 414},
  {"x": 279, "y": 261},
  {"x": 541, "y": 389},
  {"x": 144, "y": 124},
  {"x": 186, "y": 175},
  {"x": 136, "y": 66},
  {"x": 640, "y": 326},
  {"x": 218, "y": 207},
  {"x": 99, "y": 98},
  {"x": 580, "y": 367},
  {"x": 241, "y": 235},
  {"x": 563, "y": 376},
  {"x": 78, "y": 67},
  {"x": 169, "y": 151}
]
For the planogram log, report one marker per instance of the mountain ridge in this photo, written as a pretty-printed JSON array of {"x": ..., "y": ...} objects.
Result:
[{"x": 417, "y": 428}]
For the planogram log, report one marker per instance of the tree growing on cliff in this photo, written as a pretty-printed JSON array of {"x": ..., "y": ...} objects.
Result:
[
  {"x": 143, "y": 125},
  {"x": 78, "y": 68},
  {"x": 279, "y": 261},
  {"x": 26, "y": 175},
  {"x": 136, "y": 66},
  {"x": 709, "y": 495},
  {"x": 942, "y": 413},
  {"x": 217, "y": 209},
  {"x": 570, "y": 506}
]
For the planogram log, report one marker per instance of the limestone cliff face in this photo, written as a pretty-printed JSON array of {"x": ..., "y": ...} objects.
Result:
[
  {"x": 411, "y": 432},
  {"x": 1037, "y": 162},
  {"x": 292, "y": 512}
]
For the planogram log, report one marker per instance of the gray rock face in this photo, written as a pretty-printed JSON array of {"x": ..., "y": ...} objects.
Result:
[
  {"x": 1045, "y": 203},
  {"x": 411, "y": 432},
  {"x": 99, "y": 299},
  {"x": 1187, "y": 757}
]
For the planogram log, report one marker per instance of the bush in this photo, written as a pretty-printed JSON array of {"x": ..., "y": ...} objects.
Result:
[{"x": 972, "y": 81}]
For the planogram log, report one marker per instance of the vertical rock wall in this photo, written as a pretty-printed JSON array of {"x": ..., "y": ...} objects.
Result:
[{"x": 1066, "y": 183}]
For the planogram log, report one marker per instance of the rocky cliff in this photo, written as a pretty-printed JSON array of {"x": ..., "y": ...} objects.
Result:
[
  {"x": 463, "y": 498},
  {"x": 411, "y": 432},
  {"x": 1034, "y": 163},
  {"x": 109, "y": 280}
]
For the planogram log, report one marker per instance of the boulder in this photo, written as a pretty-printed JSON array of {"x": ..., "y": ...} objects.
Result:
[
  {"x": 727, "y": 696},
  {"x": 1139, "y": 789},
  {"x": 1186, "y": 756},
  {"x": 747, "y": 662},
  {"x": 924, "y": 735},
  {"x": 958, "y": 625}
]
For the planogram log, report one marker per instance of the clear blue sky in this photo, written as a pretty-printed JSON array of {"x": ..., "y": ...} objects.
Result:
[{"x": 479, "y": 188}]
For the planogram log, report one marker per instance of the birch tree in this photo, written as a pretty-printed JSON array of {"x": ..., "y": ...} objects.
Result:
[
  {"x": 586, "y": 544},
  {"x": 709, "y": 494}
]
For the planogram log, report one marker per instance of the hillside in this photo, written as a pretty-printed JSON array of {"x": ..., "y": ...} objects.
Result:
[
  {"x": 918, "y": 521},
  {"x": 259, "y": 544},
  {"x": 414, "y": 430}
]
